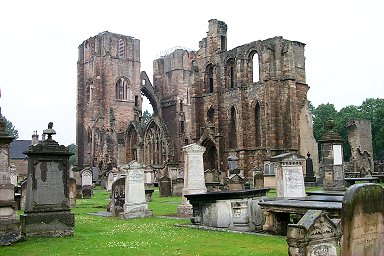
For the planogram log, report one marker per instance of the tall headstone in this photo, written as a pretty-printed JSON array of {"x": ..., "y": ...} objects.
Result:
[
  {"x": 233, "y": 163},
  {"x": 47, "y": 212},
  {"x": 72, "y": 192},
  {"x": 86, "y": 182},
  {"x": 165, "y": 186},
  {"x": 110, "y": 180},
  {"x": 309, "y": 174},
  {"x": 314, "y": 235},
  {"x": 135, "y": 204},
  {"x": 194, "y": 181},
  {"x": 289, "y": 175},
  {"x": 362, "y": 218},
  {"x": 9, "y": 224},
  {"x": 332, "y": 172},
  {"x": 118, "y": 197}
]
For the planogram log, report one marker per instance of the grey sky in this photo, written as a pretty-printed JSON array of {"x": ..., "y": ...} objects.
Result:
[{"x": 39, "y": 41}]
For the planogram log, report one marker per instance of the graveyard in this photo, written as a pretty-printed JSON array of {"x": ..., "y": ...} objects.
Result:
[{"x": 181, "y": 183}]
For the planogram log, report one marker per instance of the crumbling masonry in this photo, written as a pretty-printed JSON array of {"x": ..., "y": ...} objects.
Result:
[{"x": 250, "y": 101}]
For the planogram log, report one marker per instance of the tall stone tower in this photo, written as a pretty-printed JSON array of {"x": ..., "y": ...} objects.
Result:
[{"x": 108, "y": 96}]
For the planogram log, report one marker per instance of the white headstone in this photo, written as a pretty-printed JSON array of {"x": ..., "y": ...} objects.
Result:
[
  {"x": 194, "y": 180},
  {"x": 289, "y": 175},
  {"x": 13, "y": 177},
  {"x": 110, "y": 180},
  {"x": 135, "y": 203},
  {"x": 86, "y": 178}
]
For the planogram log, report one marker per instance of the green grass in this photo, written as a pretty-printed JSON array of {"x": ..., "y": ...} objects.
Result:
[{"x": 158, "y": 235}]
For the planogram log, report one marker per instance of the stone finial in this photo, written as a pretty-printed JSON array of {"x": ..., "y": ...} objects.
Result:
[{"x": 49, "y": 131}]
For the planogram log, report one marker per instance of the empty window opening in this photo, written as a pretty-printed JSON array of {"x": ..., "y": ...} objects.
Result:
[
  {"x": 136, "y": 100},
  {"x": 255, "y": 68},
  {"x": 209, "y": 78},
  {"x": 257, "y": 125},
  {"x": 232, "y": 129},
  {"x": 223, "y": 45},
  {"x": 211, "y": 115}
]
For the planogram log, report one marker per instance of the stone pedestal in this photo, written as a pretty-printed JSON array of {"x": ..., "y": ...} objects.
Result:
[
  {"x": 47, "y": 212},
  {"x": 194, "y": 181},
  {"x": 135, "y": 204},
  {"x": 9, "y": 224},
  {"x": 332, "y": 159}
]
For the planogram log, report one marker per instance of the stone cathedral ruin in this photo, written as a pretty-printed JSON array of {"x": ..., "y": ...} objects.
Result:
[{"x": 249, "y": 102}]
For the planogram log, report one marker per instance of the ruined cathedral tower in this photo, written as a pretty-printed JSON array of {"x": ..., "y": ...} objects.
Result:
[
  {"x": 249, "y": 102},
  {"x": 108, "y": 96}
]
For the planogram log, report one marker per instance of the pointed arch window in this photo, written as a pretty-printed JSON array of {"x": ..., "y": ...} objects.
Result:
[
  {"x": 230, "y": 73},
  {"x": 123, "y": 91},
  {"x": 254, "y": 67},
  {"x": 209, "y": 79},
  {"x": 211, "y": 115},
  {"x": 232, "y": 136}
]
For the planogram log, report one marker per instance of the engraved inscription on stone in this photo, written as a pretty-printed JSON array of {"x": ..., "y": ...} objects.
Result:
[
  {"x": 86, "y": 178},
  {"x": 50, "y": 184},
  {"x": 323, "y": 250},
  {"x": 366, "y": 231},
  {"x": 135, "y": 176},
  {"x": 195, "y": 166},
  {"x": 293, "y": 182}
]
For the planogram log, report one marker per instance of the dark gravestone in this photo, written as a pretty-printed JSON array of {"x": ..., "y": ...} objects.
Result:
[
  {"x": 258, "y": 178},
  {"x": 118, "y": 196},
  {"x": 363, "y": 220},
  {"x": 165, "y": 186},
  {"x": 47, "y": 212},
  {"x": 309, "y": 175}
]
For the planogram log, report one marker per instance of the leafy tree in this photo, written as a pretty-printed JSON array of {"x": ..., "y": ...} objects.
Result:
[
  {"x": 72, "y": 148},
  {"x": 321, "y": 115},
  {"x": 146, "y": 117},
  {"x": 10, "y": 128}
]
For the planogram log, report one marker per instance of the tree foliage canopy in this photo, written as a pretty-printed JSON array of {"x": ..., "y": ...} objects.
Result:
[
  {"x": 371, "y": 109},
  {"x": 10, "y": 128}
]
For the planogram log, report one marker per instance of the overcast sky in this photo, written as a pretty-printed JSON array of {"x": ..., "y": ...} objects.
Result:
[{"x": 39, "y": 47}]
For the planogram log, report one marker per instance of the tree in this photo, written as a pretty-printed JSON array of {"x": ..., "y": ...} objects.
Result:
[
  {"x": 72, "y": 148},
  {"x": 321, "y": 115},
  {"x": 10, "y": 128},
  {"x": 146, "y": 117}
]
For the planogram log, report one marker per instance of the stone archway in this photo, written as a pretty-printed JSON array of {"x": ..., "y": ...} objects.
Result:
[{"x": 210, "y": 155}]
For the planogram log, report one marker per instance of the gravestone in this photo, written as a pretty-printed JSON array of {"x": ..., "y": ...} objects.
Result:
[
  {"x": 72, "y": 192},
  {"x": 110, "y": 180},
  {"x": 289, "y": 175},
  {"x": 47, "y": 212},
  {"x": 9, "y": 223},
  {"x": 95, "y": 175},
  {"x": 13, "y": 175},
  {"x": 165, "y": 186},
  {"x": 332, "y": 171},
  {"x": 233, "y": 163},
  {"x": 117, "y": 197},
  {"x": 86, "y": 183},
  {"x": 363, "y": 220},
  {"x": 177, "y": 187},
  {"x": 235, "y": 182},
  {"x": 79, "y": 186},
  {"x": 194, "y": 182},
  {"x": 258, "y": 178},
  {"x": 309, "y": 174},
  {"x": 135, "y": 205},
  {"x": 314, "y": 235},
  {"x": 23, "y": 194}
]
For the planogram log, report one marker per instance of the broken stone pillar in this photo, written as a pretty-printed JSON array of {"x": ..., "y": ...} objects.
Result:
[
  {"x": 360, "y": 140},
  {"x": 47, "y": 212},
  {"x": 9, "y": 223},
  {"x": 332, "y": 172}
]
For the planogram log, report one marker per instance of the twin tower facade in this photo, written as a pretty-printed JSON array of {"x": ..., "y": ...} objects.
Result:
[{"x": 250, "y": 101}]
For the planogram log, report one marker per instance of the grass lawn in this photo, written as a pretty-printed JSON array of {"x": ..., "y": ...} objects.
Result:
[{"x": 158, "y": 235}]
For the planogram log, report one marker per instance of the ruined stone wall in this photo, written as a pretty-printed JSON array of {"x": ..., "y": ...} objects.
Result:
[
  {"x": 103, "y": 60},
  {"x": 360, "y": 140}
]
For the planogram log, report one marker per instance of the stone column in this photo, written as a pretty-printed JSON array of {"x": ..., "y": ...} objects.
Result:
[
  {"x": 332, "y": 172},
  {"x": 135, "y": 205},
  {"x": 194, "y": 181},
  {"x": 9, "y": 223},
  {"x": 47, "y": 212}
]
